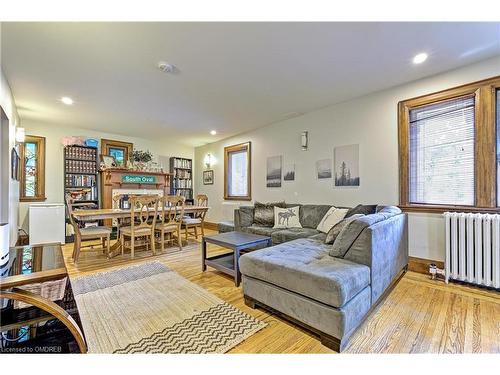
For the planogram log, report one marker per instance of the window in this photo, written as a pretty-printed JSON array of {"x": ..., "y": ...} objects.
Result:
[
  {"x": 32, "y": 169},
  {"x": 447, "y": 147},
  {"x": 497, "y": 110},
  {"x": 442, "y": 153},
  {"x": 237, "y": 174}
]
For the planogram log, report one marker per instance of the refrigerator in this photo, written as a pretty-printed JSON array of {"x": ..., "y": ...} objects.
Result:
[{"x": 47, "y": 223}]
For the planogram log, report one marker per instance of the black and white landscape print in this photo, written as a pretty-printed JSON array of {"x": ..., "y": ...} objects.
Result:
[
  {"x": 324, "y": 168},
  {"x": 346, "y": 165},
  {"x": 289, "y": 172},
  {"x": 273, "y": 176}
]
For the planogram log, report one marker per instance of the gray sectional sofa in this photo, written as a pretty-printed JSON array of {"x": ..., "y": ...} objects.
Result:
[{"x": 329, "y": 289}]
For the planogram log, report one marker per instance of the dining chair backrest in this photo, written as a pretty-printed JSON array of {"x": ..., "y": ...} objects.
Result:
[
  {"x": 201, "y": 201},
  {"x": 143, "y": 207},
  {"x": 172, "y": 209},
  {"x": 70, "y": 204}
]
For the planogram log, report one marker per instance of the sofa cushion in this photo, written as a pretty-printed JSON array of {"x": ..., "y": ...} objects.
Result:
[
  {"x": 259, "y": 229},
  {"x": 303, "y": 266},
  {"x": 389, "y": 210},
  {"x": 364, "y": 209},
  {"x": 319, "y": 237},
  {"x": 264, "y": 213},
  {"x": 337, "y": 228},
  {"x": 311, "y": 214},
  {"x": 351, "y": 231},
  {"x": 289, "y": 234},
  {"x": 286, "y": 217},
  {"x": 332, "y": 217},
  {"x": 246, "y": 215}
]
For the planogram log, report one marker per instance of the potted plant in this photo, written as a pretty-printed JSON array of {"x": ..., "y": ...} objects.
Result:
[{"x": 141, "y": 158}]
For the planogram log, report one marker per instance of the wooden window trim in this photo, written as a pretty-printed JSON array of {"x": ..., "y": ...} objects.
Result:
[
  {"x": 227, "y": 150},
  {"x": 127, "y": 146},
  {"x": 40, "y": 167},
  {"x": 485, "y": 170}
]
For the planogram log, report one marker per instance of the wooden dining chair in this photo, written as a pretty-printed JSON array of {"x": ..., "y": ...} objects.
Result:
[
  {"x": 143, "y": 208},
  {"x": 171, "y": 214},
  {"x": 87, "y": 233},
  {"x": 198, "y": 219}
]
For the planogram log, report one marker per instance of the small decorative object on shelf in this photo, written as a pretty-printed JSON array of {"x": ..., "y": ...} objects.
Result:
[{"x": 182, "y": 178}]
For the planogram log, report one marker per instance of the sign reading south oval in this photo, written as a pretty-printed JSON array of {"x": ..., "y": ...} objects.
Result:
[{"x": 138, "y": 179}]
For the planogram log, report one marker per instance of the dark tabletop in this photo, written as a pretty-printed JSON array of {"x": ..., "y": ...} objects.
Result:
[{"x": 237, "y": 238}]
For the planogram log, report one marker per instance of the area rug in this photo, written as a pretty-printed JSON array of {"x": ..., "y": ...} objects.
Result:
[{"x": 149, "y": 308}]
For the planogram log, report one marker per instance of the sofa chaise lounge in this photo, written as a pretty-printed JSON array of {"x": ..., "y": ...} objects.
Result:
[{"x": 328, "y": 289}]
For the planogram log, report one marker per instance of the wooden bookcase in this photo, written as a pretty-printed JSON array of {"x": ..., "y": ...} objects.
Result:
[
  {"x": 80, "y": 173},
  {"x": 182, "y": 178}
]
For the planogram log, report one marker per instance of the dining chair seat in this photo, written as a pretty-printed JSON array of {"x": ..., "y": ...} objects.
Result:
[
  {"x": 95, "y": 231},
  {"x": 166, "y": 226},
  {"x": 191, "y": 221},
  {"x": 137, "y": 231}
]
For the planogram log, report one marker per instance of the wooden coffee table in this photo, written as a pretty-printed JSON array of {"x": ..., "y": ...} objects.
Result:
[{"x": 236, "y": 242}]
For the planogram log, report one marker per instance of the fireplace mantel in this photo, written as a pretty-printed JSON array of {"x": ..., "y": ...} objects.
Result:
[{"x": 120, "y": 178}]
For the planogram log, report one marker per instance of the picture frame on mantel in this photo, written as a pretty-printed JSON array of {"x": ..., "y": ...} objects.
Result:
[{"x": 121, "y": 151}]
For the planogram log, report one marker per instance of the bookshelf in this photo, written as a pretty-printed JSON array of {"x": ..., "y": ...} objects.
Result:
[
  {"x": 80, "y": 175},
  {"x": 182, "y": 178}
]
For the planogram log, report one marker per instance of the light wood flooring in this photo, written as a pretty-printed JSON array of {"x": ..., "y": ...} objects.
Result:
[{"x": 419, "y": 315}]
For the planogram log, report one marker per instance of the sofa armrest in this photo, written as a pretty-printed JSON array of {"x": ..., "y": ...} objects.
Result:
[{"x": 383, "y": 247}]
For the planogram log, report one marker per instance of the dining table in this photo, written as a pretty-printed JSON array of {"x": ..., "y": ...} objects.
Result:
[{"x": 122, "y": 213}]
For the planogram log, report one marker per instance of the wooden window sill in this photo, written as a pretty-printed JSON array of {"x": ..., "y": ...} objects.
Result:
[
  {"x": 33, "y": 199},
  {"x": 439, "y": 209}
]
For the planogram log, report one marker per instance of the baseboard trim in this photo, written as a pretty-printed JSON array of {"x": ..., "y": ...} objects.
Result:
[
  {"x": 421, "y": 265},
  {"x": 210, "y": 225}
]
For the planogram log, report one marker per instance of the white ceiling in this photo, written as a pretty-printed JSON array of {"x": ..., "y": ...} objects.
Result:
[{"x": 232, "y": 77}]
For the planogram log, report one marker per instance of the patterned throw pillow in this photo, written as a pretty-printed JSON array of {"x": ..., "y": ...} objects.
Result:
[
  {"x": 337, "y": 228},
  {"x": 286, "y": 217},
  {"x": 332, "y": 217}
]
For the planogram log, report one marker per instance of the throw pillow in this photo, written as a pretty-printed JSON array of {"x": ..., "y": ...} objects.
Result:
[
  {"x": 264, "y": 213},
  {"x": 332, "y": 217},
  {"x": 337, "y": 228},
  {"x": 365, "y": 209},
  {"x": 286, "y": 217}
]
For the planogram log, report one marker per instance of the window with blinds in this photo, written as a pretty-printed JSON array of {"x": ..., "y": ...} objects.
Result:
[
  {"x": 441, "y": 153},
  {"x": 498, "y": 144},
  {"x": 238, "y": 173}
]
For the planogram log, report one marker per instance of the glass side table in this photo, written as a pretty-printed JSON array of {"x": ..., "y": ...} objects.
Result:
[{"x": 33, "y": 281}]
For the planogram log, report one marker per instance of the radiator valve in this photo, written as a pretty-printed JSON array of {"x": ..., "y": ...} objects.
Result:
[{"x": 434, "y": 271}]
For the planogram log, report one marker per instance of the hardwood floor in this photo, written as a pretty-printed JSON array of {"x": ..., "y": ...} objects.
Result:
[{"x": 419, "y": 315}]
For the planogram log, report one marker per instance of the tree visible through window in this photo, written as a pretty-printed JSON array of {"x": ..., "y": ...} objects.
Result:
[
  {"x": 237, "y": 172},
  {"x": 32, "y": 169}
]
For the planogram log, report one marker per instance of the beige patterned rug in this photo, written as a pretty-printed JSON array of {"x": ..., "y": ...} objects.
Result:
[{"x": 149, "y": 308}]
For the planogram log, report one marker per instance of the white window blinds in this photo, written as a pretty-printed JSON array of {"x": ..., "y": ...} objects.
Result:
[
  {"x": 442, "y": 153},
  {"x": 237, "y": 169},
  {"x": 498, "y": 145}
]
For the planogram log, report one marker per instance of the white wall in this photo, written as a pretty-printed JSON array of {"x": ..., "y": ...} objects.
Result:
[
  {"x": 371, "y": 122},
  {"x": 54, "y": 173},
  {"x": 8, "y": 105}
]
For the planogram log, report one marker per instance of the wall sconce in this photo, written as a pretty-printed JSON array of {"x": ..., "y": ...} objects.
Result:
[
  {"x": 208, "y": 161},
  {"x": 304, "y": 139},
  {"x": 20, "y": 135}
]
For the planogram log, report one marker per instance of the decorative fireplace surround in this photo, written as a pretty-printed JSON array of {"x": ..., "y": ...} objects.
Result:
[{"x": 122, "y": 181}]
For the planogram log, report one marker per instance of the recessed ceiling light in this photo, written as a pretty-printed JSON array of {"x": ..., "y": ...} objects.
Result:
[
  {"x": 420, "y": 58},
  {"x": 213, "y": 132},
  {"x": 67, "y": 100},
  {"x": 166, "y": 67}
]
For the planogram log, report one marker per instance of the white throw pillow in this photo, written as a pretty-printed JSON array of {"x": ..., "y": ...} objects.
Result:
[
  {"x": 286, "y": 217},
  {"x": 332, "y": 217}
]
